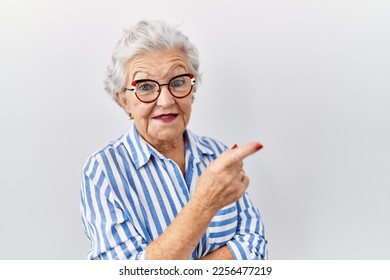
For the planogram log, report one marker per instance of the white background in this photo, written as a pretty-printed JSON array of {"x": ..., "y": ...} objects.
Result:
[{"x": 309, "y": 79}]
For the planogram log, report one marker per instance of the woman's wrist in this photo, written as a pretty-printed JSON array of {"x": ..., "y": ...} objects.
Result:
[{"x": 203, "y": 207}]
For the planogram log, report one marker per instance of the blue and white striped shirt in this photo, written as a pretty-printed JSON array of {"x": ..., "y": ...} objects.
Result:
[{"x": 131, "y": 193}]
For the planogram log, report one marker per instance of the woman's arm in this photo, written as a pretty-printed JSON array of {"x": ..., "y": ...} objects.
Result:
[
  {"x": 180, "y": 239},
  {"x": 220, "y": 184},
  {"x": 222, "y": 253},
  {"x": 112, "y": 233},
  {"x": 249, "y": 242}
]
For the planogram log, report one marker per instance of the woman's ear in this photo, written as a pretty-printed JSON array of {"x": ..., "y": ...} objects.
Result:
[{"x": 121, "y": 100}]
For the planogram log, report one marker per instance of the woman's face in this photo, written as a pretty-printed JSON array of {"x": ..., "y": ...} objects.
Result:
[{"x": 163, "y": 121}]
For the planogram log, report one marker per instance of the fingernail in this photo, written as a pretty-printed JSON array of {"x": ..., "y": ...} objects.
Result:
[
  {"x": 234, "y": 146},
  {"x": 259, "y": 146}
]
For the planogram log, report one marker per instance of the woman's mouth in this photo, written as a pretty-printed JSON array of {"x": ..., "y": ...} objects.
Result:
[{"x": 166, "y": 117}]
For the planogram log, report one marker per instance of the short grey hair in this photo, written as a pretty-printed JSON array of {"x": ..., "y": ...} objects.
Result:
[{"x": 146, "y": 37}]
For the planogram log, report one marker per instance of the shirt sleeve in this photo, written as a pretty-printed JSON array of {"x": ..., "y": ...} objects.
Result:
[
  {"x": 111, "y": 233},
  {"x": 249, "y": 242}
]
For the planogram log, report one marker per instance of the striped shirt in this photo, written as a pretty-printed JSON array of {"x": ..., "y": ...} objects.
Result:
[{"x": 131, "y": 193}]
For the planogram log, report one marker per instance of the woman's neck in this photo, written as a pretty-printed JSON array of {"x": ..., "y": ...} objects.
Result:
[{"x": 173, "y": 150}]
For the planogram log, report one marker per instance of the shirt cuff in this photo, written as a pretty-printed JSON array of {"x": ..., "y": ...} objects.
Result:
[{"x": 238, "y": 251}]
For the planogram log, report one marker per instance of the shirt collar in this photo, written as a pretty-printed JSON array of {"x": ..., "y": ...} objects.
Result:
[
  {"x": 137, "y": 147},
  {"x": 196, "y": 146},
  {"x": 140, "y": 151}
]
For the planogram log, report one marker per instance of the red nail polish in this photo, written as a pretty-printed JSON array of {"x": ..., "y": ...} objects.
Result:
[
  {"x": 259, "y": 146},
  {"x": 234, "y": 146}
]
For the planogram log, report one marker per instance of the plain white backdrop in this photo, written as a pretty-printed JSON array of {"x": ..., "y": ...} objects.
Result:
[{"x": 309, "y": 79}]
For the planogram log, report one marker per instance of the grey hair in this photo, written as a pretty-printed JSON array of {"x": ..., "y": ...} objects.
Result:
[{"x": 145, "y": 37}]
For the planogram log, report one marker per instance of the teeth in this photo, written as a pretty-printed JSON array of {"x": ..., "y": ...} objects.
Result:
[{"x": 166, "y": 116}]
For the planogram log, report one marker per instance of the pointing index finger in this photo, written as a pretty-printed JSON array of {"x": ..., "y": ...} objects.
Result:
[{"x": 241, "y": 153}]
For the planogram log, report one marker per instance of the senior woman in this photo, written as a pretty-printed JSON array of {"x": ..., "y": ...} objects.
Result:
[{"x": 160, "y": 191}]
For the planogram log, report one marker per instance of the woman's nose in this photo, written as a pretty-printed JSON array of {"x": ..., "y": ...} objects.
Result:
[{"x": 165, "y": 97}]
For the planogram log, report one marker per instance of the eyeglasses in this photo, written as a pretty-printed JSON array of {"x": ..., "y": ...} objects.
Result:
[{"x": 148, "y": 91}]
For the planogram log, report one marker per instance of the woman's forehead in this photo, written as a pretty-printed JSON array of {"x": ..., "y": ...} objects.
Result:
[{"x": 159, "y": 65}]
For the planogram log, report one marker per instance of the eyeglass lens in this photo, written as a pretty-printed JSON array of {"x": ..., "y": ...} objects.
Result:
[{"x": 149, "y": 90}]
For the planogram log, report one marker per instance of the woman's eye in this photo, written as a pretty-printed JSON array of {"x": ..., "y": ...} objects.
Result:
[
  {"x": 145, "y": 87},
  {"x": 177, "y": 83}
]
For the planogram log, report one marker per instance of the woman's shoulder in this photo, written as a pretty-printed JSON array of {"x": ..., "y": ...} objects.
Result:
[
  {"x": 111, "y": 146},
  {"x": 111, "y": 149}
]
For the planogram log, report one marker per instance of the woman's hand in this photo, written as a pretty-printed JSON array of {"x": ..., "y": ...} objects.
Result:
[{"x": 224, "y": 180}]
